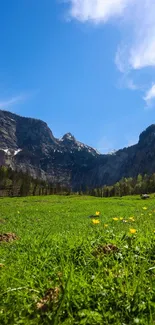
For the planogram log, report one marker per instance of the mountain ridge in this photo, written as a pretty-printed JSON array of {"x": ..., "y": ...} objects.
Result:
[{"x": 29, "y": 145}]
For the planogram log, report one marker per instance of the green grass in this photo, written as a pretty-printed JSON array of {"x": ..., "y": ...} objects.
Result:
[{"x": 58, "y": 248}]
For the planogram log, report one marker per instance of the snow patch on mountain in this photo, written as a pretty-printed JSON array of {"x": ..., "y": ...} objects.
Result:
[{"x": 11, "y": 152}]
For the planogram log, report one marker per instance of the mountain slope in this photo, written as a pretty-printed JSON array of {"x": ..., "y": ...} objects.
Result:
[{"x": 29, "y": 145}]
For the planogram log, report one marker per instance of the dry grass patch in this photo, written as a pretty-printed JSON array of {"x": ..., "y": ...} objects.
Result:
[
  {"x": 51, "y": 297},
  {"x": 8, "y": 237}
]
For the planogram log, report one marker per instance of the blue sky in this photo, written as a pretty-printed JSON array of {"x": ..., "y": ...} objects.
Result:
[{"x": 85, "y": 67}]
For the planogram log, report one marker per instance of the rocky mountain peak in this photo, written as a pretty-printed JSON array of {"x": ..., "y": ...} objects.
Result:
[{"x": 69, "y": 137}]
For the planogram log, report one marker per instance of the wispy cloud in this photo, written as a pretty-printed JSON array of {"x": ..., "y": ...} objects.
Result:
[
  {"x": 136, "y": 18},
  {"x": 127, "y": 82},
  {"x": 131, "y": 85},
  {"x": 97, "y": 10},
  {"x": 137, "y": 49},
  {"x": 105, "y": 145},
  {"x": 132, "y": 141},
  {"x": 150, "y": 96},
  {"x": 9, "y": 102}
]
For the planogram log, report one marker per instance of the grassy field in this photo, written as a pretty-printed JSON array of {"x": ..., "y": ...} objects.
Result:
[{"x": 63, "y": 268}]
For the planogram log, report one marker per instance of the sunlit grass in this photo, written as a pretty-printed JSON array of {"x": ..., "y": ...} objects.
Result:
[{"x": 67, "y": 268}]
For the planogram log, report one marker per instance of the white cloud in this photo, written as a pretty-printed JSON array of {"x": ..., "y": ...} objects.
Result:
[
  {"x": 97, "y": 10},
  {"x": 150, "y": 96},
  {"x": 137, "y": 49},
  {"x": 4, "y": 104}
]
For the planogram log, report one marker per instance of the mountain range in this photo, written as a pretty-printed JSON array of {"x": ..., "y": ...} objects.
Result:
[{"x": 29, "y": 145}]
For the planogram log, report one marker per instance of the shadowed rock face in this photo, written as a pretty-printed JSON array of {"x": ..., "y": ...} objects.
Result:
[{"x": 29, "y": 145}]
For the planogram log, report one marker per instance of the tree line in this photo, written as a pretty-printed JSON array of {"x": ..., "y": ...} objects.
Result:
[
  {"x": 17, "y": 183},
  {"x": 126, "y": 186}
]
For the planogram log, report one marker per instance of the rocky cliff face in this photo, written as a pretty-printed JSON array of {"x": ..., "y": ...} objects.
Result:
[{"x": 28, "y": 144}]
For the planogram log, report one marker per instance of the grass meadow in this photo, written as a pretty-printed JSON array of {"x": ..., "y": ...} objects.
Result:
[{"x": 64, "y": 267}]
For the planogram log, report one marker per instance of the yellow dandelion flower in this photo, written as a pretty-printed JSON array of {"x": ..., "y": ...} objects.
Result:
[
  {"x": 105, "y": 225},
  {"x": 115, "y": 219},
  {"x": 95, "y": 222},
  {"x": 97, "y": 213},
  {"x": 150, "y": 214},
  {"x": 144, "y": 208},
  {"x": 121, "y": 218},
  {"x": 131, "y": 219},
  {"x": 132, "y": 231}
]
